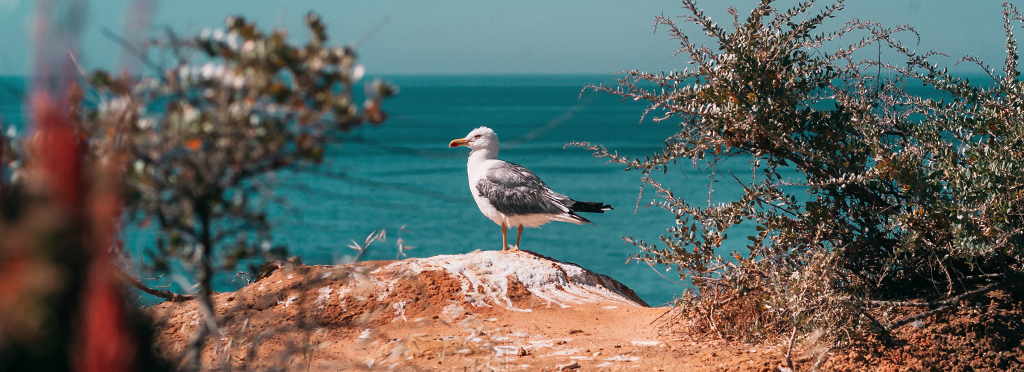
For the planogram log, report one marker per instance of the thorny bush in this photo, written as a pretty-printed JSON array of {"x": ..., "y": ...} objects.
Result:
[{"x": 864, "y": 197}]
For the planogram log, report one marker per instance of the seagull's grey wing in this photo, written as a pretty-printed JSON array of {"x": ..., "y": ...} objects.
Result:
[{"x": 515, "y": 190}]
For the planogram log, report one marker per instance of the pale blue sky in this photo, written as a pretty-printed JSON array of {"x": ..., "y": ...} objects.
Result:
[{"x": 514, "y": 37}]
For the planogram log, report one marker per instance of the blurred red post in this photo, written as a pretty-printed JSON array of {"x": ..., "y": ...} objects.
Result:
[{"x": 101, "y": 339}]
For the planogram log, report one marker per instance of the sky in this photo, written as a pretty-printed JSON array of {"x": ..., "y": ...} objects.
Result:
[{"x": 496, "y": 37}]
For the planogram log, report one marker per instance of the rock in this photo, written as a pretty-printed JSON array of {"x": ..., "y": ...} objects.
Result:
[
  {"x": 493, "y": 277},
  {"x": 568, "y": 366},
  {"x": 503, "y": 350}
]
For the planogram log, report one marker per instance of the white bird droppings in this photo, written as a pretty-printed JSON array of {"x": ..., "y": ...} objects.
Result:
[
  {"x": 322, "y": 296},
  {"x": 647, "y": 343},
  {"x": 506, "y": 350},
  {"x": 573, "y": 351},
  {"x": 288, "y": 302},
  {"x": 623, "y": 358},
  {"x": 486, "y": 275}
]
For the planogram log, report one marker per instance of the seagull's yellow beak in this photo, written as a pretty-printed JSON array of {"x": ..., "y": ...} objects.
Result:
[{"x": 458, "y": 142}]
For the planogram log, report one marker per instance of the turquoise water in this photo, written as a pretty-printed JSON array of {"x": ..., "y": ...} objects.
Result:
[{"x": 402, "y": 174}]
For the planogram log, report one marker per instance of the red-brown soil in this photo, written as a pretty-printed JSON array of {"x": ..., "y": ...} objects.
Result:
[
  {"x": 986, "y": 334},
  {"x": 380, "y": 316}
]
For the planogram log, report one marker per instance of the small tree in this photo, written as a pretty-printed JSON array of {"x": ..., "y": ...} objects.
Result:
[
  {"x": 861, "y": 194},
  {"x": 200, "y": 139}
]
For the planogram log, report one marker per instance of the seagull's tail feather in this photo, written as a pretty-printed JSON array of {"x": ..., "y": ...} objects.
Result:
[
  {"x": 578, "y": 206},
  {"x": 579, "y": 220},
  {"x": 589, "y": 207}
]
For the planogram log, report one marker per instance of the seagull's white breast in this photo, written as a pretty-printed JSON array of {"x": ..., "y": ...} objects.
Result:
[{"x": 478, "y": 170}]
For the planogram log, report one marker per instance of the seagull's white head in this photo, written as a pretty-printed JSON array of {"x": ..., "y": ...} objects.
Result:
[{"x": 479, "y": 138}]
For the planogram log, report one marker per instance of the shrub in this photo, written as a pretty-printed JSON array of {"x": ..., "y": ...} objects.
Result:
[
  {"x": 863, "y": 196},
  {"x": 201, "y": 139}
]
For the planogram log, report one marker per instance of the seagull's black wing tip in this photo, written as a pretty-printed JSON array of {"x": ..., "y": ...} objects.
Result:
[{"x": 589, "y": 207}]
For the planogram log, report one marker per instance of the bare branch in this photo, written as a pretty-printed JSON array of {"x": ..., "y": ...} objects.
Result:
[{"x": 161, "y": 293}]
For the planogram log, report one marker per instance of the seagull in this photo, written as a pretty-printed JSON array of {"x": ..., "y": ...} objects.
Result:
[{"x": 511, "y": 195}]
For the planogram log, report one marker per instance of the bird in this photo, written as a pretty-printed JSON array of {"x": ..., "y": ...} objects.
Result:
[{"x": 513, "y": 196}]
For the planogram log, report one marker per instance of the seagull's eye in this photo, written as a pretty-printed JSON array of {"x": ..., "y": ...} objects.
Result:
[{"x": 476, "y": 136}]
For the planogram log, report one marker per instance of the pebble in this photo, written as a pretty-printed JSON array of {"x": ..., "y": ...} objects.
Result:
[{"x": 573, "y": 365}]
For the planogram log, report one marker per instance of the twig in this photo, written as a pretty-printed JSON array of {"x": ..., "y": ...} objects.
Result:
[
  {"x": 950, "y": 301},
  {"x": 983, "y": 276},
  {"x": 881, "y": 330},
  {"x": 135, "y": 52},
  {"x": 81, "y": 71},
  {"x": 651, "y": 265},
  {"x": 946, "y": 305},
  {"x": 789, "y": 349},
  {"x": 821, "y": 359},
  {"x": 662, "y": 314},
  {"x": 380, "y": 24},
  {"x": 162, "y": 293}
]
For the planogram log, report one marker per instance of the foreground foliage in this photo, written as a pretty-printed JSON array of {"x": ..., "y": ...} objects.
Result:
[
  {"x": 864, "y": 197},
  {"x": 200, "y": 141},
  {"x": 184, "y": 153}
]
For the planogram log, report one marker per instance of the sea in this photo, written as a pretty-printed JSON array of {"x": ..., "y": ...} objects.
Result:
[{"x": 401, "y": 177}]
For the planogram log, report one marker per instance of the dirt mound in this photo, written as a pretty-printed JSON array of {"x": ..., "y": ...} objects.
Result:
[
  {"x": 417, "y": 307},
  {"x": 520, "y": 311}
]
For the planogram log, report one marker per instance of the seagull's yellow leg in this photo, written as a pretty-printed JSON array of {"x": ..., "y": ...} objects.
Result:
[
  {"x": 504, "y": 236},
  {"x": 519, "y": 235}
]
